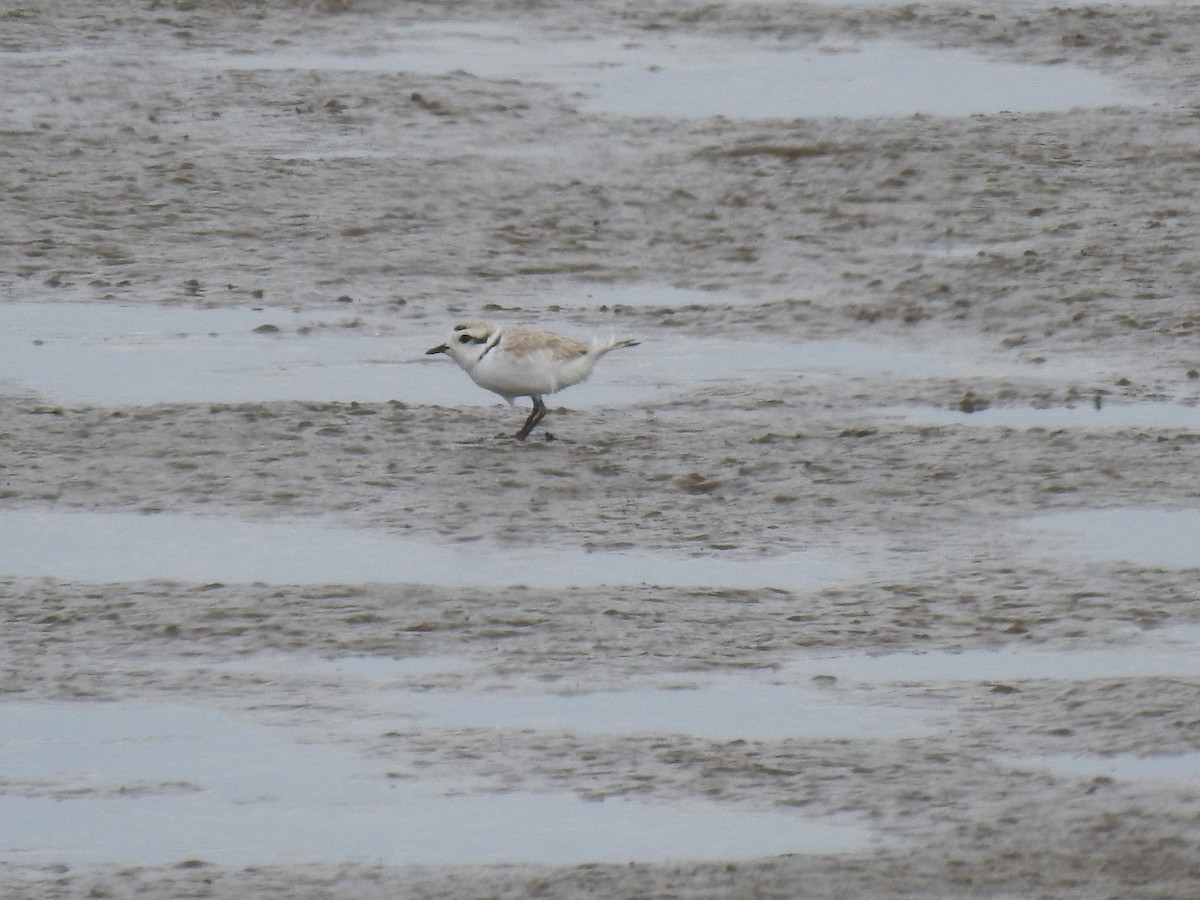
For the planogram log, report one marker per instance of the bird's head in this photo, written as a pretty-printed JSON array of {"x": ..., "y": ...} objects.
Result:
[{"x": 466, "y": 342}]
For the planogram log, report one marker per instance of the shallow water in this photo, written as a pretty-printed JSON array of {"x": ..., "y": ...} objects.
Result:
[
  {"x": 374, "y": 670},
  {"x": 1164, "y": 653},
  {"x": 115, "y": 355},
  {"x": 1164, "y": 416},
  {"x": 1148, "y": 537},
  {"x": 647, "y": 294},
  {"x": 104, "y": 547},
  {"x": 646, "y": 75},
  {"x": 1182, "y": 767},
  {"x": 879, "y": 79},
  {"x": 127, "y": 783},
  {"x": 719, "y": 710}
]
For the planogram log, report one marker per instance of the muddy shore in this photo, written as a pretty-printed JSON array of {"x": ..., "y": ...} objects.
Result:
[{"x": 1059, "y": 244}]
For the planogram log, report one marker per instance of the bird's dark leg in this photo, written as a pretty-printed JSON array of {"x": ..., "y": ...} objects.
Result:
[{"x": 539, "y": 412}]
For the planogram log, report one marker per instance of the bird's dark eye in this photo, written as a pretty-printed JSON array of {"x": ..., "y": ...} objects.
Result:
[{"x": 464, "y": 339}]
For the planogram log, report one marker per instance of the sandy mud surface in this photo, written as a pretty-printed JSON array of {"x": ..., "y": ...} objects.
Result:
[{"x": 909, "y": 554}]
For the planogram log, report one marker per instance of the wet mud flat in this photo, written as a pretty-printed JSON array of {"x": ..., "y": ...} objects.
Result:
[{"x": 872, "y": 572}]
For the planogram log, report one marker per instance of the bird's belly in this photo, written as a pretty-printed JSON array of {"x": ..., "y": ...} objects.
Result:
[{"x": 521, "y": 378}]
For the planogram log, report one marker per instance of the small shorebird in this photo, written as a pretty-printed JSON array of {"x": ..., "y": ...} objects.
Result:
[{"x": 523, "y": 362}]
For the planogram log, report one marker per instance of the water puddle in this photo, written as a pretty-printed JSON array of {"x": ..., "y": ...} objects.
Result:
[
  {"x": 1160, "y": 657},
  {"x": 1187, "y": 633},
  {"x": 691, "y": 364},
  {"x": 651, "y": 75},
  {"x": 1183, "y": 767},
  {"x": 1150, "y": 416},
  {"x": 121, "y": 783},
  {"x": 373, "y": 669},
  {"x": 718, "y": 710},
  {"x": 842, "y": 357},
  {"x": 532, "y": 296},
  {"x": 364, "y": 673},
  {"x": 1008, "y": 5},
  {"x": 112, "y": 546},
  {"x": 650, "y": 296},
  {"x": 114, "y": 355},
  {"x": 879, "y": 79},
  {"x": 1147, "y": 537},
  {"x": 309, "y": 154}
]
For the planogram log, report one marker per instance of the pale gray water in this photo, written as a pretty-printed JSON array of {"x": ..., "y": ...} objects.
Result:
[
  {"x": 646, "y": 75},
  {"x": 129, "y": 783},
  {"x": 121, "y": 546},
  {"x": 116, "y": 355},
  {"x": 1148, "y": 537}
]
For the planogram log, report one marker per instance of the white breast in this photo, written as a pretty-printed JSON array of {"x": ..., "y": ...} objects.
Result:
[{"x": 529, "y": 374}]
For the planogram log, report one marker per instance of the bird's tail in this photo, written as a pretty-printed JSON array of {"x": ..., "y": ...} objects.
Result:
[{"x": 613, "y": 343}]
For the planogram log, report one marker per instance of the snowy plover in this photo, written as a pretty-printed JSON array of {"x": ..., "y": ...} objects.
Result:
[{"x": 523, "y": 362}]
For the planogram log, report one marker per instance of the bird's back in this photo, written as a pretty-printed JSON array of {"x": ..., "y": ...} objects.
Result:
[{"x": 536, "y": 341}]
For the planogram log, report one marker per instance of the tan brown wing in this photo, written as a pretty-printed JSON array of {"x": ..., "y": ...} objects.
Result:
[{"x": 521, "y": 341}]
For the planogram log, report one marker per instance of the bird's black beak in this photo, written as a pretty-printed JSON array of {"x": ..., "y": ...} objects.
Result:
[{"x": 440, "y": 348}]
